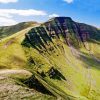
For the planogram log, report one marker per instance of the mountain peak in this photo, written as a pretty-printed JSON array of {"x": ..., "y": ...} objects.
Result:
[
  {"x": 62, "y": 55},
  {"x": 60, "y": 18}
]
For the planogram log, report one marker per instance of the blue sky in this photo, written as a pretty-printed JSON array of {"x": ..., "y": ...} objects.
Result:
[{"x": 15, "y": 11}]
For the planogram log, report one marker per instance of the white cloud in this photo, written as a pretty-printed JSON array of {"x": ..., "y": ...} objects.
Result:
[
  {"x": 53, "y": 15},
  {"x": 29, "y": 12},
  {"x": 7, "y": 21},
  {"x": 8, "y": 1},
  {"x": 7, "y": 15},
  {"x": 69, "y": 1}
]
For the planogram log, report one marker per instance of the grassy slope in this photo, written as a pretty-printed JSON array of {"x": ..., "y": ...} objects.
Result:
[
  {"x": 80, "y": 80},
  {"x": 11, "y": 88},
  {"x": 12, "y": 56},
  {"x": 11, "y": 52},
  {"x": 9, "y": 30},
  {"x": 79, "y": 68}
]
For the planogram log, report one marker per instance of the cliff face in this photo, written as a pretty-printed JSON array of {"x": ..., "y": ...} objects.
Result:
[
  {"x": 64, "y": 29},
  {"x": 62, "y": 53},
  {"x": 63, "y": 57}
]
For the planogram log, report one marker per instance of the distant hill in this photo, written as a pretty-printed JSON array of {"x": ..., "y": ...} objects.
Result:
[
  {"x": 9, "y": 30},
  {"x": 56, "y": 60}
]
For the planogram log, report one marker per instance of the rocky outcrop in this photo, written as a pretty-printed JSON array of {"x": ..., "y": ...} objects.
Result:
[
  {"x": 56, "y": 60},
  {"x": 73, "y": 33},
  {"x": 62, "y": 57}
]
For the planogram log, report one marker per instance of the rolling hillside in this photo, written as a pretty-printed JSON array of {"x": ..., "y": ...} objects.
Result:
[
  {"x": 62, "y": 57},
  {"x": 9, "y": 30}
]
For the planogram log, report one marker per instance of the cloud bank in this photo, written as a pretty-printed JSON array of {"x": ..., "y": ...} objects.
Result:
[
  {"x": 7, "y": 15},
  {"x": 8, "y": 1},
  {"x": 29, "y": 12},
  {"x": 7, "y": 21}
]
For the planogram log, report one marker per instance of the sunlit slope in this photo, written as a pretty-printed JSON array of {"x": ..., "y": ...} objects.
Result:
[
  {"x": 64, "y": 53},
  {"x": 11, "y": 52},
  {"x": 12, "y": 88},
  {"x": 12, "y": 74},
  {"x": 61, "y": 54}
]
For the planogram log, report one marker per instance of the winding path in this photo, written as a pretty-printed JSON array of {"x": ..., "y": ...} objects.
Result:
[{"x": 20, "y": 73}]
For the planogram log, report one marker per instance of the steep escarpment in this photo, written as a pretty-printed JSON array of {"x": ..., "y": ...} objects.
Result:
[
  {"x": 63, "y": 57},
  {"x": 64, "y": 29},
  {"x": 60, "y": 54}
]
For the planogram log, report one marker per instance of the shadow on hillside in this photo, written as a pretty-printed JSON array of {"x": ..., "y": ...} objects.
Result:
[
  {"x": 33, "y": 83},
  {"x": 55, "y": 74},
  {"x": 37, "y": 38},
  {"x": 90, "y": 61}
]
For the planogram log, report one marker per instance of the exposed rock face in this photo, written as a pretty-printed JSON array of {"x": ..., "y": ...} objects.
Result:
[
  {"x": 63, "y": 57},
  {"x": 55, "y": 47},
  {"x": 73, "y": 33}
]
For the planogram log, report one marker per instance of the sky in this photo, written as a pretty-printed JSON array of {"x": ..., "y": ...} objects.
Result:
[{"x": 15, "y": 11}]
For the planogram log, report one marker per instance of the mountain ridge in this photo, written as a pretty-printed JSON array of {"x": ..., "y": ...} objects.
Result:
[
  {"x": 9, "y": 30},
  {"x": 61, "y": 56}
]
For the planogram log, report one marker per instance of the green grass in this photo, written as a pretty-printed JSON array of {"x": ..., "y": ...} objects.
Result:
[{"x": 41, "y": 53}]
